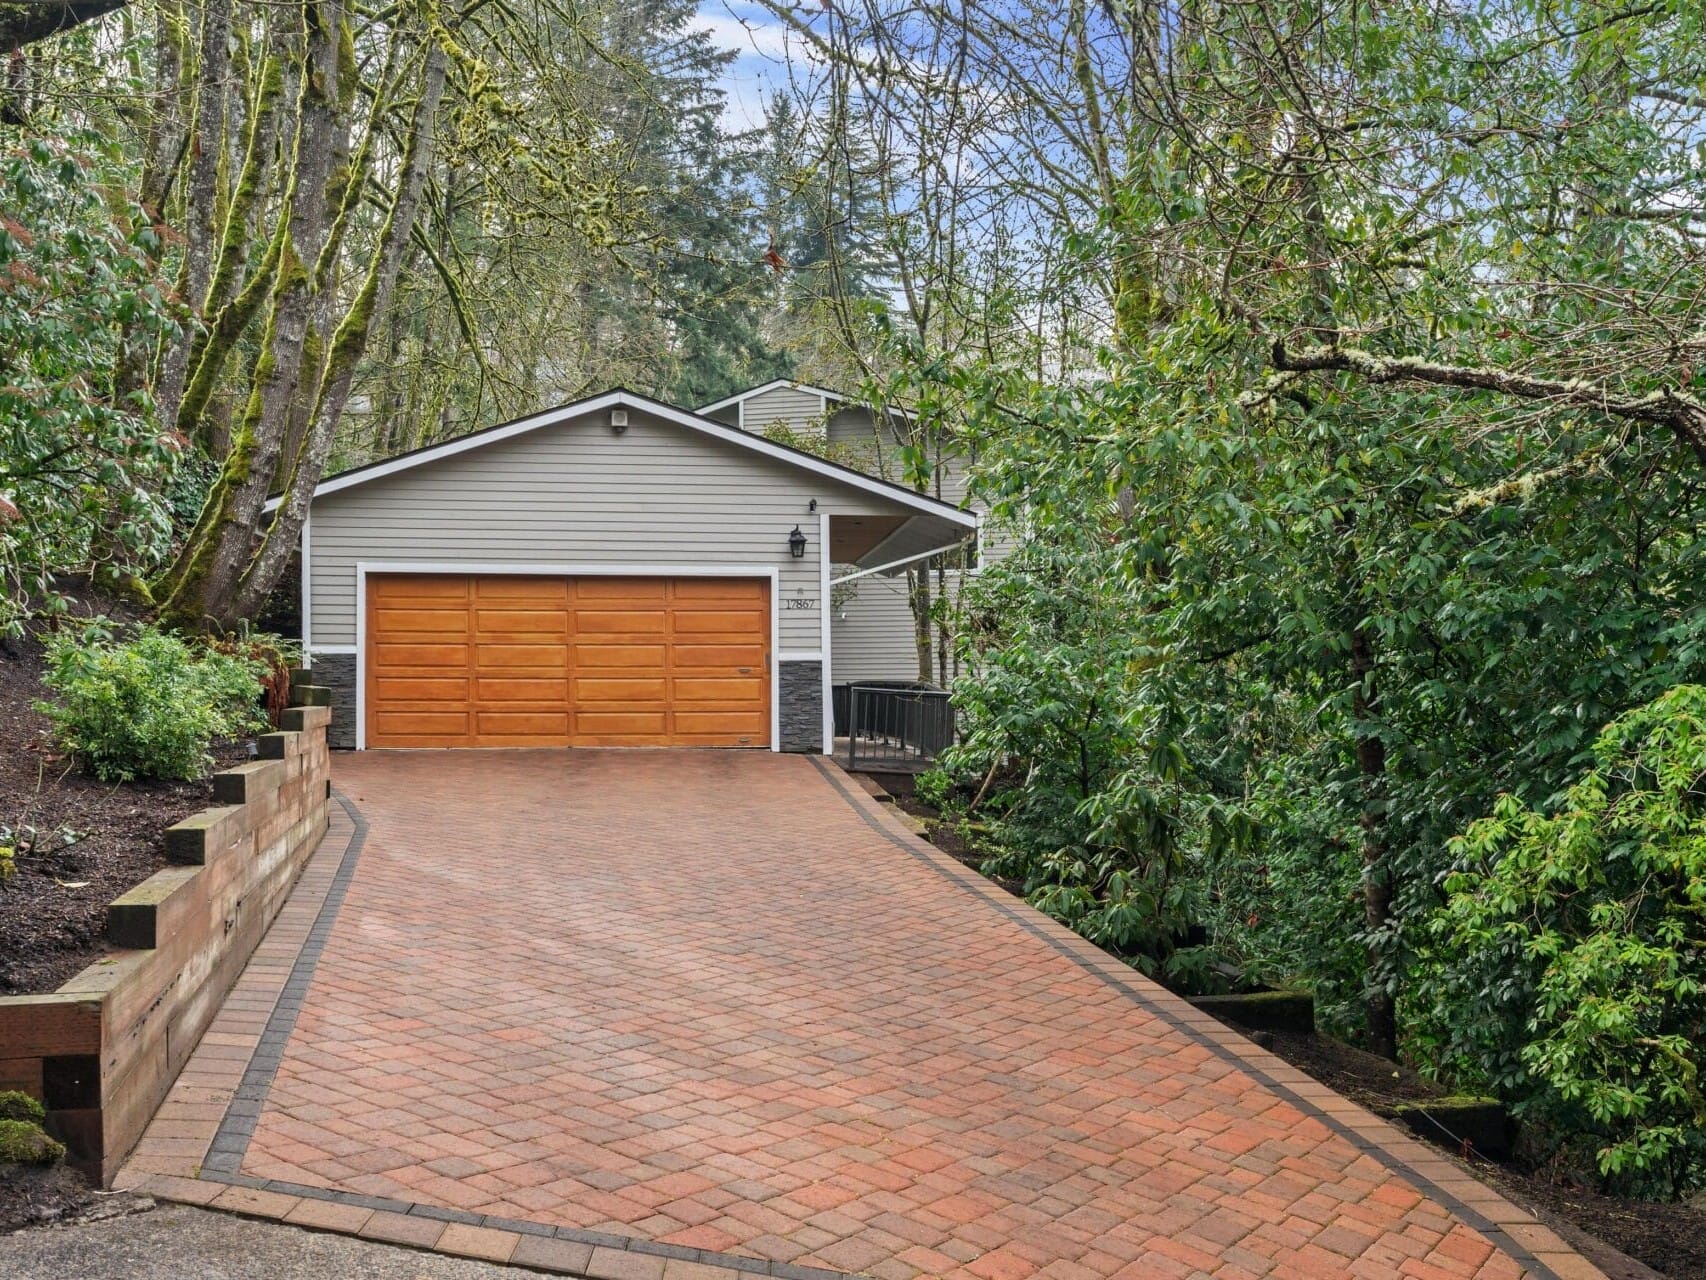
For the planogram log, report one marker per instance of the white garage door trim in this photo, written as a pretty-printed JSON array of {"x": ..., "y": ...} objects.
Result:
[{"x": 480, "y": 568}]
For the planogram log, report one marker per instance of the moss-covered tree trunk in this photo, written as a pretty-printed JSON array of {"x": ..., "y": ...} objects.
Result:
[
  {"x": 200, "y": 588},
  {"x": 918, "y": 583},
  {"x": 348, "y": 344},
  {"x": 230, "y": 304},
  {"x": 207, "y": 146}
]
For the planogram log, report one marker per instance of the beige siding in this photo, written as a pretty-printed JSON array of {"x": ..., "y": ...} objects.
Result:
[
  {"x": 856, "y": 428},
  {"x": 576, "y": 494},
  {"x": 797, "y": 410},
  {"x": 871, "y": 633}
]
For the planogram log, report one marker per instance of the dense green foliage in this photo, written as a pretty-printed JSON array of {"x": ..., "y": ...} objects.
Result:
[
  {"x": 86, "y": 477},
  {"x": 147, "y": 706},
  {"x": 1098, "y": 815},
  {"x": 1567, "y": 967}
]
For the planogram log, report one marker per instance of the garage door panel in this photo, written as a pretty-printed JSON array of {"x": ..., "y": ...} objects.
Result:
[
  {"x": 421, "y": 588},
  {"x": 651, "y": 724},
  {"x": 547, "y": 592},
  {"x": 742, "y": 658},
  {"x": 727, "y": 723},
  {"x": 435, "y": 622},
  {"x": 717, "y": 622},
  {"x": 504, "y": 661},
  {"x": 389, "y": 657},
  {"x": 627, "y": 622},
  {"x": 592, "y": 690},
  {"x": 440, "y": 724},
  {"x": 737, "y": 691},
  {"x": 626, "y": 590},
  {"x": 413, "y": 690},
  {"x": 498, "y": 724},
  {"x": 530, "y": 658},
  {"x": 492, "y": 621},
  {"x": 509, "y": 689},
  {"x": 606, "y": 655}
]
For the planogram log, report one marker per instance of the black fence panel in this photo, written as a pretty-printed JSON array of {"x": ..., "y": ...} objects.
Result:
[
  {"x": 841, "y": 698},
  {"x": 893, "y": 725}
]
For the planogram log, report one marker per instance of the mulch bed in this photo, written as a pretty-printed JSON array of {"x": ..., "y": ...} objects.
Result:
[
  {"x": 94, "y": 839},
  {"x": 31, "y": 1197},
  {"x": 1662, "y": 1238}
]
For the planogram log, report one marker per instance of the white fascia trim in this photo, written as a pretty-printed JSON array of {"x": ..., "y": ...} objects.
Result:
[
  {"x": 800, "y": 655},
  {"x": 892, "y": 564},
  {"x": 332, "y": 648},
  {"x": 772, "y": 385},
  {"x": 307, "y": 602},
  {"x": 769, "y": 572},
  {"x": 677, "y": 417},
  {"x": 823, "y": 571}
]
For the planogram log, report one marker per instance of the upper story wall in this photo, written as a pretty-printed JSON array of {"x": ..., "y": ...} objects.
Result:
[
  {"x": 851, "y": 429},
  {"x": 854, "y": 428},
  {"x": 793, "y": 407}
]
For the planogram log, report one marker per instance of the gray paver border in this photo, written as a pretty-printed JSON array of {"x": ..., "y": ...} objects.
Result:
[
  {"x": 1495, "y": 1234},
  {"x": 224, "y": 1160}
]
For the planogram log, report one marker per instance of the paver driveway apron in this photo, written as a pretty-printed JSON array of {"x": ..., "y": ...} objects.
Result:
[{"x": 725, "y": 1002}]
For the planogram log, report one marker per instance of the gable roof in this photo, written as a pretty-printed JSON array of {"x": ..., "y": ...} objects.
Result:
[
  {"x": 624, "y": 399},
  {"x": 773, "y": 385}
]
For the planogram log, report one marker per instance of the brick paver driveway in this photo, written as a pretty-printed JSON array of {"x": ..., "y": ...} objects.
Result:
[{"x": 727, "y": 1002}]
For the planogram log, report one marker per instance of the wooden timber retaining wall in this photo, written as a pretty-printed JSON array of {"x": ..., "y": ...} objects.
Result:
[{"x": 102, "y": 1051}]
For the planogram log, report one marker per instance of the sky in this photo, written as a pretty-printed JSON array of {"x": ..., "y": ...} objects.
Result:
[{"x": 763, "y": 45}]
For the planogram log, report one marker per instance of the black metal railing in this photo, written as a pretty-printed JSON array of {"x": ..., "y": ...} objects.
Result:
[{"x": 890, "y": 726}]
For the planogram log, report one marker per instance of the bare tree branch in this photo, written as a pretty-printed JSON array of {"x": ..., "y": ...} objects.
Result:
[
  {"x": 26, "y": 21},
  {"x": 1669, "y": 407}
]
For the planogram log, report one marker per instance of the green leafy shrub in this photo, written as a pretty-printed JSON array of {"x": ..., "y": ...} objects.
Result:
[
  {"x": 15, "y": 1105},
  {"x": 1104, "y": 823},
  {"x": 147, "y": 706},
  {"x": 933, "y": 787},
  {"x": 25, "y": 1143},
  {"x": 1567, "y": 969}
]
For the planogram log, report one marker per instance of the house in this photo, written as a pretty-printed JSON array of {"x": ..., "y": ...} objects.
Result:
[
  {"x": 872, "y": 633},
  {"x": 613, "y": 572}
]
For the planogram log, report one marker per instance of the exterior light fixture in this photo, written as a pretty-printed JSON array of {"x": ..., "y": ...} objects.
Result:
[
  {"x": 618, "y": 420},
  {"x": 797, "y": 544}
]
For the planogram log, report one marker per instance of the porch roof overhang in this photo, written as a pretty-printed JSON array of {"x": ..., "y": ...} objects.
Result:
[{"x": 887, "y": 544}]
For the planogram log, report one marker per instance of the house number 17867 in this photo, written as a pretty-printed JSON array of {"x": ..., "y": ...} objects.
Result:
[{"x": 799, "y": 604}]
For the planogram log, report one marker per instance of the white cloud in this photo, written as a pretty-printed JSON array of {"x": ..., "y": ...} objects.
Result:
[
  {"x": 767, "y": 51},
  {"x": 746, "y": 36}
]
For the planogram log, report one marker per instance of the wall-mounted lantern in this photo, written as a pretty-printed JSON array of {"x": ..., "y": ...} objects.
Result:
[{"x": 797, "y": 544}]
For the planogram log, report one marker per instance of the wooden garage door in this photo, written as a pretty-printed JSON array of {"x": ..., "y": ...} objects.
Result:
[{"x": 587, "y": 662}]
